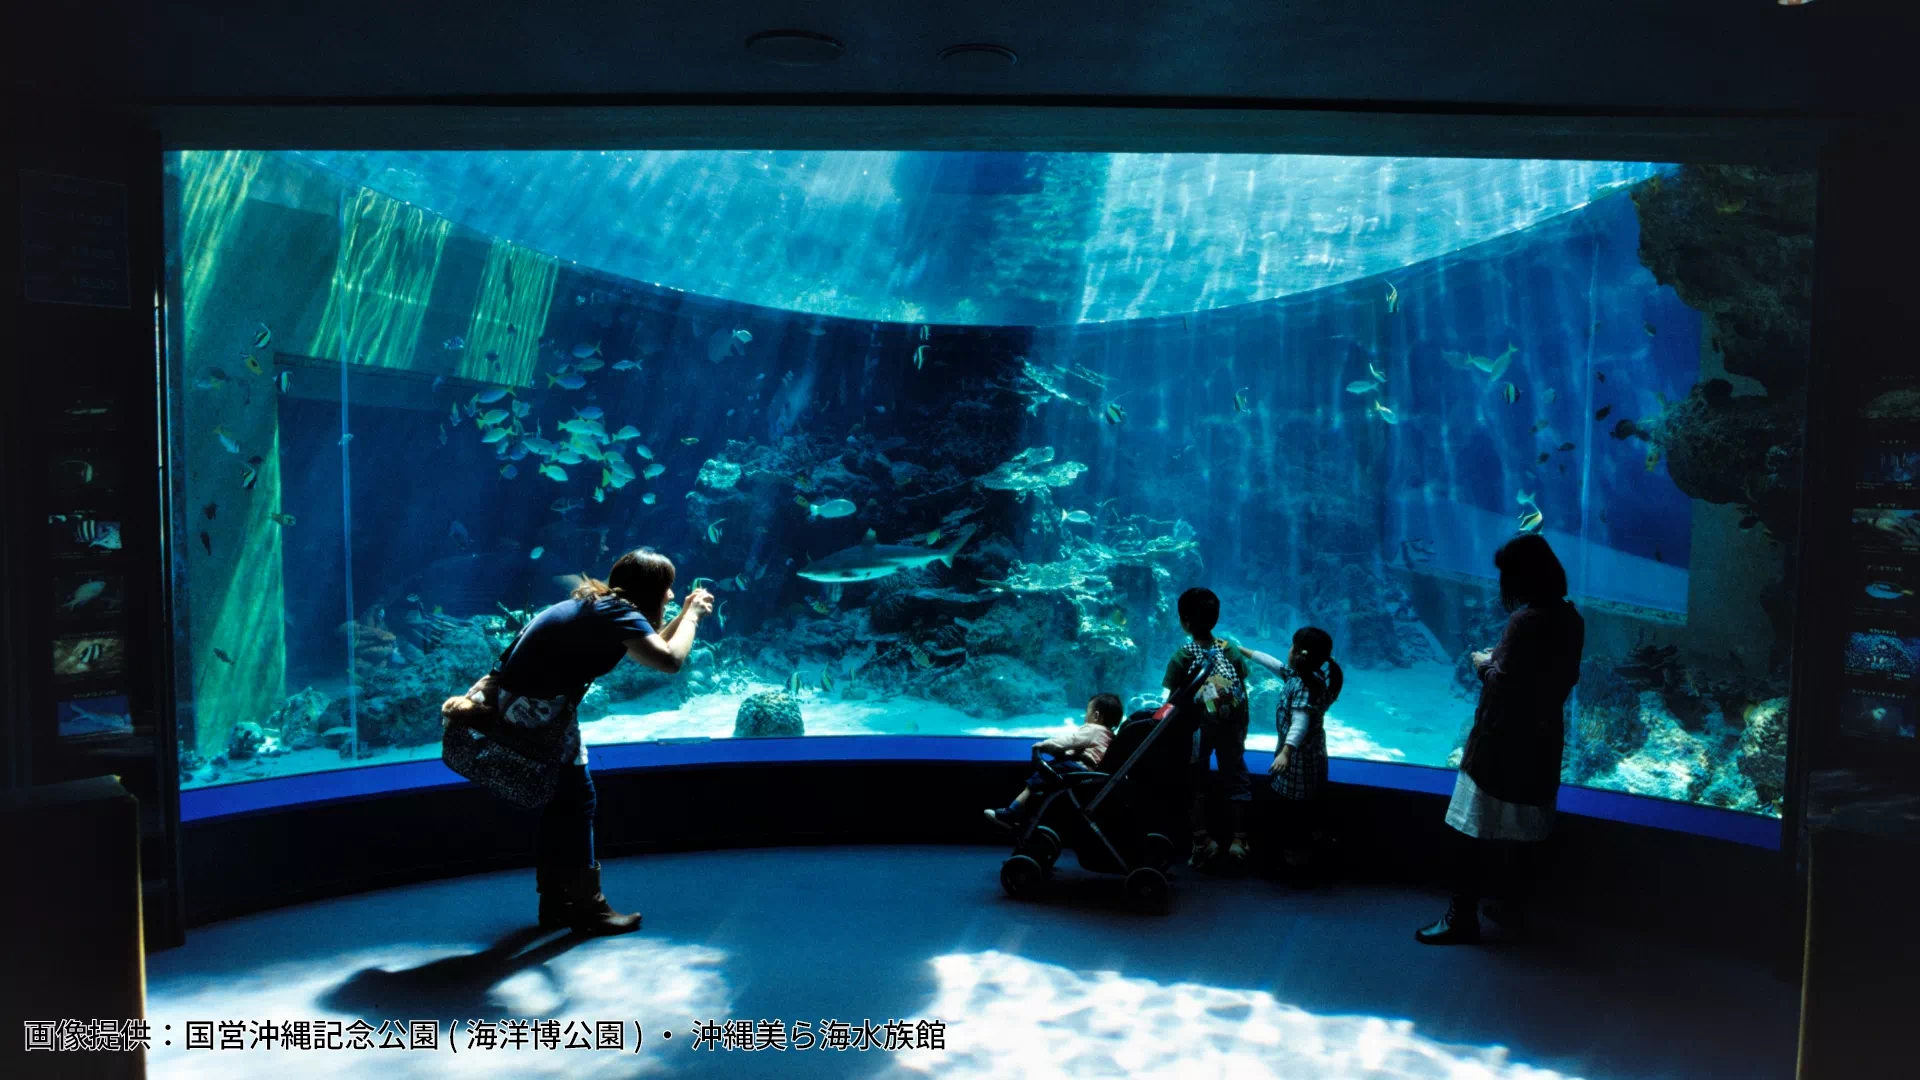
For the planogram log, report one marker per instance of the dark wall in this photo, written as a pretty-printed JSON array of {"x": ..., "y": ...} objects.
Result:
[{"x": 1671, "y": 885}]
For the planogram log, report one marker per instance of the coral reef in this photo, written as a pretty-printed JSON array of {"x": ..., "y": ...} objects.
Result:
[
  {"x": 399, "y": 701},
  {"x": 245, "y": 740},
  {"x": 628, "y": 681},
  {"x": 1648, "y": 666},
  {"x": 1371, "y": 618},
  {"x": 1088, "y": 618},
  {"x": 774, "y": 712},
  {"x": 1736, "y": 243},
  {"x": 719, "y": 474},
  {"x": 1651, "y": 726},
  {"x": 997, "y": 685},
  {"x": 1762, "y": 756},
  {"x": 1739, "y": 450},
  {"x": 296, "y": 723},
  {"x": 1605, "y": 722},
  {"x": 1031, "y": 470}
]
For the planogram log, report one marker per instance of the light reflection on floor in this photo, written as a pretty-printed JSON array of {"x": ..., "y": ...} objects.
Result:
[
  {"x": 610, "y": 979},
  {"x": 1005, "y": 1016},
  {"x": 1009, "y": 1016}
]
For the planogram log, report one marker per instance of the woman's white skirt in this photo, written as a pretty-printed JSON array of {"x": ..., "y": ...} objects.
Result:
[{"x": 1479, "y": 814}]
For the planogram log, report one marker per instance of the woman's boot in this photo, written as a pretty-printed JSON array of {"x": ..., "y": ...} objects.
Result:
[
  {"x": 1459, "y": 926},
  {"x": 554, "y": 907},
  {"x": 573, "y": 899}
]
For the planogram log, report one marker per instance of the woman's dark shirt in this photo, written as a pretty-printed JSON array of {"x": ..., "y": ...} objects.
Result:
[
  {"x": 569, "y": 645},
  {"x": 1519, "y": 727}
]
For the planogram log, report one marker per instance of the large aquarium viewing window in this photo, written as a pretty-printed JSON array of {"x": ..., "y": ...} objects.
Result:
[{"x": 948, "y": 434}]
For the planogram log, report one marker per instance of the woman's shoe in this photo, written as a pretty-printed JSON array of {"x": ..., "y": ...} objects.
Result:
[
  {"x": 1459, "y": 926},
  {"x": 1001, "y": 818},
  {"x": 1204, "y": 852},
  {"x": 572, "y": 898}
]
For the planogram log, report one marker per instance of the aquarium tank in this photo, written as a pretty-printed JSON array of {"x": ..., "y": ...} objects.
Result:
[{"x": 947, "y": 434}]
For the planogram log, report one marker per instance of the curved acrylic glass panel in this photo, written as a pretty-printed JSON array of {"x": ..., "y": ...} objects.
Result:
[
  {"x": 396, "y": 436},
  {"x": 988, "y": 239}
]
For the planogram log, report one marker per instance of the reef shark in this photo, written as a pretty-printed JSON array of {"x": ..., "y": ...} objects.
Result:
[{"x": 870, "y": 560}]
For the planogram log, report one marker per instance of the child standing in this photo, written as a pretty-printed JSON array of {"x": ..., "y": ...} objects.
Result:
[
  {"x": 1310, "y": 682},
  {"x": 1080, "y": 751},
  {"x": 1223, "y": 724}
]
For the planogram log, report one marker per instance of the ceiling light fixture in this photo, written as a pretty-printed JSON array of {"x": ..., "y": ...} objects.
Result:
[
  {"x": 795, "y": 48},
  {"x": 978, "y": 57}
]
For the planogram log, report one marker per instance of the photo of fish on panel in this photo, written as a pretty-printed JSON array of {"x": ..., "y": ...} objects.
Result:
[
  {"x": 81, "y": 535},
  {"x": 82, "y": 474},
  {"x": 1879, "y": 715},
  {"x": 954, "y": 483},
  {"x": 84, "y": 717},
  {"x": 84, "y": 601},
  {"x": 1889, "y": 462},
  {"x": 88, "y": 657},
  {"x": 1886, "y": 528}
]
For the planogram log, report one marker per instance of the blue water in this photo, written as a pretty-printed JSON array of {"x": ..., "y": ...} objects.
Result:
[{"x": 1222, "y": 427}]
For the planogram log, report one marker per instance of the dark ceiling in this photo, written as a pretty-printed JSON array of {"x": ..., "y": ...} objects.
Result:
[{"x": 1674, "y": 59}]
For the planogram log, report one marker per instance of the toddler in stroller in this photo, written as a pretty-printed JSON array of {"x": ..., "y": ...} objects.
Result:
[
  {"x": 1118, "y": 819},
  {"x": 1078, "y": 752}
]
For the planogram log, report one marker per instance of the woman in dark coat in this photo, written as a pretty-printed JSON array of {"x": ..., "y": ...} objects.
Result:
[{"x": 1510, "y": 773}]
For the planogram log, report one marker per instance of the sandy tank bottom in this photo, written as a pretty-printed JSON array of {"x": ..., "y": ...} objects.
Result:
[{"x": 1407, "y": 715}]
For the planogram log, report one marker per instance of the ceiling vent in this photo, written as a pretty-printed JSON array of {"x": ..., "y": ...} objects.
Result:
[
  {"x": 978, "y": 57},
  {"x": 795, "y": 48}
]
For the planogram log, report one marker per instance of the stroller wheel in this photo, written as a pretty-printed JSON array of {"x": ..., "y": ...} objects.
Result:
[
  {"x": 1157, "y": 852},
  {"x": 1043, "y": 845},
  {"x": 1022, "y": 877},
  {"x": 1146, "y": 890}
]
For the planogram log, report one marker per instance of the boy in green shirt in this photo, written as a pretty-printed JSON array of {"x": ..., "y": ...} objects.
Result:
[{"x": 1223, "y": 722}]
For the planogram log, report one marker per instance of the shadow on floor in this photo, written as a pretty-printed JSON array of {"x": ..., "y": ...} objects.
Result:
[{"x": 451, "y": 986}]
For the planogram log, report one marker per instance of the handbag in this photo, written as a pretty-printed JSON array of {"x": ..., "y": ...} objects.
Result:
[{"x": 513, "y": 746}]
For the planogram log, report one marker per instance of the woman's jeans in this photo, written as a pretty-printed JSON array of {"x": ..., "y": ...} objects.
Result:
[{"x": 565, "y": 839}]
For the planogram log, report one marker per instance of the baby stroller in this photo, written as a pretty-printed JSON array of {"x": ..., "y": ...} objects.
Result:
[{"x": 1117, "y": 822}]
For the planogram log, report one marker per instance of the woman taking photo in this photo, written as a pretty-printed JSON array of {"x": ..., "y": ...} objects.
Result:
[
  {"x": 1510, "y": 773},
  {"x": 551, "y": 664}
]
